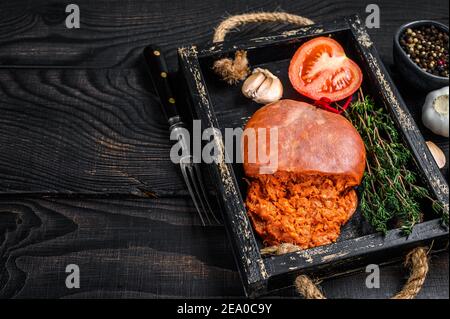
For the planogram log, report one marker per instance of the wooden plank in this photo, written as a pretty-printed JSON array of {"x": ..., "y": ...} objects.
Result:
[
  {"x": 15, "y": 25},
  {"x": 124, "y": 248},
  {"x": 392, "y": 278},
  {"x": 84, "y": 132},
  {"x": 115, "y": 34},
  {"x": 127, "y": 249}
]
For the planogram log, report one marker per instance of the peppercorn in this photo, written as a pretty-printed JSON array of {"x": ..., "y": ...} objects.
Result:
[{"x": 427, "y": 47}]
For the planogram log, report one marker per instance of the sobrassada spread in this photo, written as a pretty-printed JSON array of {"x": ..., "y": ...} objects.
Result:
[{"x": 310, "y": 195}]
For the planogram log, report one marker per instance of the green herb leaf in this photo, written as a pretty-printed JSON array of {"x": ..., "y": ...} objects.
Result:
[{"x": 391, "y": 195}]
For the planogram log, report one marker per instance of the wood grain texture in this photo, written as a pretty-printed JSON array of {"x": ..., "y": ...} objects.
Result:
[
  {"x": 126, "y": 247},
  {"x": 392, "y": 278},
  {"x": 83, "y": 131},
  {"x": 123, "y": 249},
  {"x": 114, "y": 33},
  {"x": 108, "y": 159}
]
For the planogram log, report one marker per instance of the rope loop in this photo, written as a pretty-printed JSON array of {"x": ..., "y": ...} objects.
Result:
[
  {"x": 234, "y": 70},
  {"x": 416, "y": 260}
]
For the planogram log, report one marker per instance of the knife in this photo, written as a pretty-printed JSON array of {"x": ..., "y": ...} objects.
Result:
[{"x": 159, "y": 74}]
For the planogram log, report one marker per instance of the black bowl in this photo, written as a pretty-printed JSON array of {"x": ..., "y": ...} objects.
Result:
[{"x": 410, "y": 71}]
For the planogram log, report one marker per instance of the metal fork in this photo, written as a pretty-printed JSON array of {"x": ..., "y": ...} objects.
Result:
[
  {"x": 194, "y": 182},
  {"x": 156, "y": 65}
]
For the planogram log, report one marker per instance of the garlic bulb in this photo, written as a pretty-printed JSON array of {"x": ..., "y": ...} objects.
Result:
[
  {"x": 435, "y": 111},
  {"x": 437, "y": 153},
  {"x": 262, "y": 87}
]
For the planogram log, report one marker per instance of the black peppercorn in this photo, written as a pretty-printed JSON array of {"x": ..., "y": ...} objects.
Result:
[{"x": 427, "y": 46}]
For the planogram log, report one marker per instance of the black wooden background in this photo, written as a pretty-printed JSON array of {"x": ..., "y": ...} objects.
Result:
[{"x": 85, "y": 176}]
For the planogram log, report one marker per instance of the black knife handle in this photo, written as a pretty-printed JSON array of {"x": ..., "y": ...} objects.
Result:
[{"x": 156, "y": 66}]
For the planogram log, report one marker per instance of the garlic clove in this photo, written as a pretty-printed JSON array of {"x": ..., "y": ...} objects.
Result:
[
  {"x": 263, "y": 87},
  {"x": 437, "y": 153},
  {"x": 263, "y": 90},
  {"x": 270, "y": 93},
  {"x": 252, "y": 84}
]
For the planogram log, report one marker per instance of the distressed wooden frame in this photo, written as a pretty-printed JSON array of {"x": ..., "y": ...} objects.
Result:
[{"x": 261, "y": 275}]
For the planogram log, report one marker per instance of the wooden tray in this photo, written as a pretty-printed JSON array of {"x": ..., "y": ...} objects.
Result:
[{"x": 219, "y": 105}]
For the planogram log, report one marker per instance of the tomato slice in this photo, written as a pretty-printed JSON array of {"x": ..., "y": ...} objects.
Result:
[{"x": 320, "y": 69}]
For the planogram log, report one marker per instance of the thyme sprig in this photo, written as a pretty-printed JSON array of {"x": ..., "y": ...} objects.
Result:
[{"x": 391, "y": 194}]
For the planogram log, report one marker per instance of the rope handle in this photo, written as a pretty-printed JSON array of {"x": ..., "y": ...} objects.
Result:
[
  {"x": 236, "y": 21},
  {"x": 237, "y": 69},
  {"x": 416, "y": 260}
]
